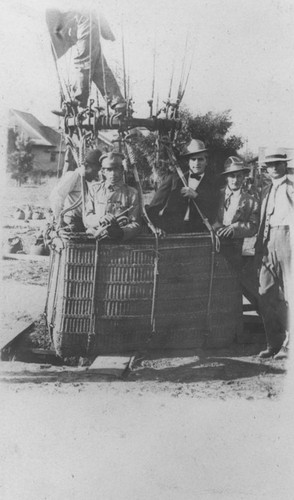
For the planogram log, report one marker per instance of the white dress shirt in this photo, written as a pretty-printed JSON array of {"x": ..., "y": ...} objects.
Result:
[
  {"x": 232, "y": 199},
  {"x": 193, "y": 184},
  {"x": 278, "y": 206}
]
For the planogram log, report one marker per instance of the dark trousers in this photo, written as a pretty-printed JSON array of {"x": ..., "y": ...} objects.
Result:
[
  {"x": 91, "y": 65},
  {"x": 274, "y": 282}
]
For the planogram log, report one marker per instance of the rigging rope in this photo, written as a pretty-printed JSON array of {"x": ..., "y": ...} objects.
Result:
[
  {"x": 59, "y": 76},
  {"x": 123, "y": 57},
  {"x": 102, "y": 60},
  {"x": 131, "y": 157},
  {"x": 187, "y": 78},
  {"x": 59, "y": 157},
  {"x": 90, "y": 52},
  {"x": 215, "y": 243},
  {"x": 68, "y": 65},
  {"x": 183, "y": 68},
  {"x": 91, "y": 334},
  {"x": 150, "y": 102}
]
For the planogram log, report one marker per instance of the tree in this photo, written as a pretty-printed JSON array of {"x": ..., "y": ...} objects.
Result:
[
  {"x": 143, "y": 152},
  {"x": 20, "y": 161},
  {"x": 212, "y": 129}
]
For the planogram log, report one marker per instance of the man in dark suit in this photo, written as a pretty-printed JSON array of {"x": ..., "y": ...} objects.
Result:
[
  {"x": 172, "y": 209},
  {"x": 273, "y": 254}
]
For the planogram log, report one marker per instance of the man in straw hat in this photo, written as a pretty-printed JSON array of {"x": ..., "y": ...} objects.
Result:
[
  {"x": 171, "y": 208},
  {"x": 273, "y": 253},
  {"x": 113, "y": 208},
  {"x": 68, "y": 191}
]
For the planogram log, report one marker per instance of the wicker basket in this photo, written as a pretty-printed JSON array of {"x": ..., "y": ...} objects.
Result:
[{"x": 100, "y": 301}]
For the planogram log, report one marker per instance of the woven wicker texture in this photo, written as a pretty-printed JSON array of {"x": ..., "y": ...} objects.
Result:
[{"x": 109, "y": 311}]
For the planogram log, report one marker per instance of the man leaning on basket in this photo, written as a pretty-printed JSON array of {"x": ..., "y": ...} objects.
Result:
[
  {"x": 273, "y": 254},
  {"x": 113, "y": 209},
  {"x": 66, "y": 197},
  {"x": 238, "y": 212}
]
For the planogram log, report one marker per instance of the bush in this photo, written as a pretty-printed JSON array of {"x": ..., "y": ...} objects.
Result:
[
  {"x": 20, "y": 161},
  {"x": 212, "y": 129}
]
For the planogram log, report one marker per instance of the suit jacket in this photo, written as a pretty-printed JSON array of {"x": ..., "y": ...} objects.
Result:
[
  {"x": 259, "y": 246},
  {"x": 168, "y": 208},
  {"x": 246, "y": 218}
]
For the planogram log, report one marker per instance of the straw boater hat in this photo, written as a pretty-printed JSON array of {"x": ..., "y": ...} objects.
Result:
[
  {"x": 274, "y": 156},
  {"x": 193, "y": 147},
  {"x": 234, "y": 164}
]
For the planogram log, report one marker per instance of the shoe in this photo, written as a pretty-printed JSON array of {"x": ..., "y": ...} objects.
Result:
[
  {"x": 62, "y": 112},
  {"x": 58, "y": 112},
  {"x": 283, "y": 353},
  {"x": 268, "y": 353},
  {"x": 119, "y": 107}
]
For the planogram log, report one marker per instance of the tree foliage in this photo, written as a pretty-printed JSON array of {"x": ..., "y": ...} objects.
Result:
[
  {"x": 20, "y": 160},
  {"x": 143, "y": 151},
  {"x": 213, "y": 129}
]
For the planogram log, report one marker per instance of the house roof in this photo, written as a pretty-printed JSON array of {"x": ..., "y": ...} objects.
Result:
[{"x": 40, "y": 134}]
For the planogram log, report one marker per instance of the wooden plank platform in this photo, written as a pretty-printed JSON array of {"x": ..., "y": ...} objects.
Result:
[
  {"x": 111, "y": 365},
  {"x": 10, "y": 336},
  {"x": 26, "y": 257}
]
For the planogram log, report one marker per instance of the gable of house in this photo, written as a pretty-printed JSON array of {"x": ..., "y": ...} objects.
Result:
[{"x": 30, "y": 127}]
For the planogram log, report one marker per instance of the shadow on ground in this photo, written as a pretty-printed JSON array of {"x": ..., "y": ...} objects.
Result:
[{"x": 173, "y": 368}]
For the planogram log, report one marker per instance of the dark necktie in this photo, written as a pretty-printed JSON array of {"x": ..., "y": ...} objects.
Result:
[
  {"x": 196, "y": 176},
  {"x": 228, "y": 201}
]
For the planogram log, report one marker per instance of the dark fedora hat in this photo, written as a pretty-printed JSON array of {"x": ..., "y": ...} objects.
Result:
[{"x": 93, "y": 156}]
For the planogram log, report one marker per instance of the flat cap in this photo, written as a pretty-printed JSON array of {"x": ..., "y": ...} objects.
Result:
[{"x": 112, "y": 159}]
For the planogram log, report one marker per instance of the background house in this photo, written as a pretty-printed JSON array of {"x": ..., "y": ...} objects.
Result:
[{"x": 48, "y": 145}]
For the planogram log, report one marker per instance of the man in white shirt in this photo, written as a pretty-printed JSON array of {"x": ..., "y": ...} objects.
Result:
[
  {"x": 68, "y": 191},
  {"x": 273, "y": 254}
]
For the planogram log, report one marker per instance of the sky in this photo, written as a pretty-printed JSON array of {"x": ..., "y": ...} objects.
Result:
[{"x": 242, "y": 54}]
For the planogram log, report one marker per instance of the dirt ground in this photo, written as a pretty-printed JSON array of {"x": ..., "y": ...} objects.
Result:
[
  {"x": 181, "y": 425},
  {"x": 235, "y": 372}
]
